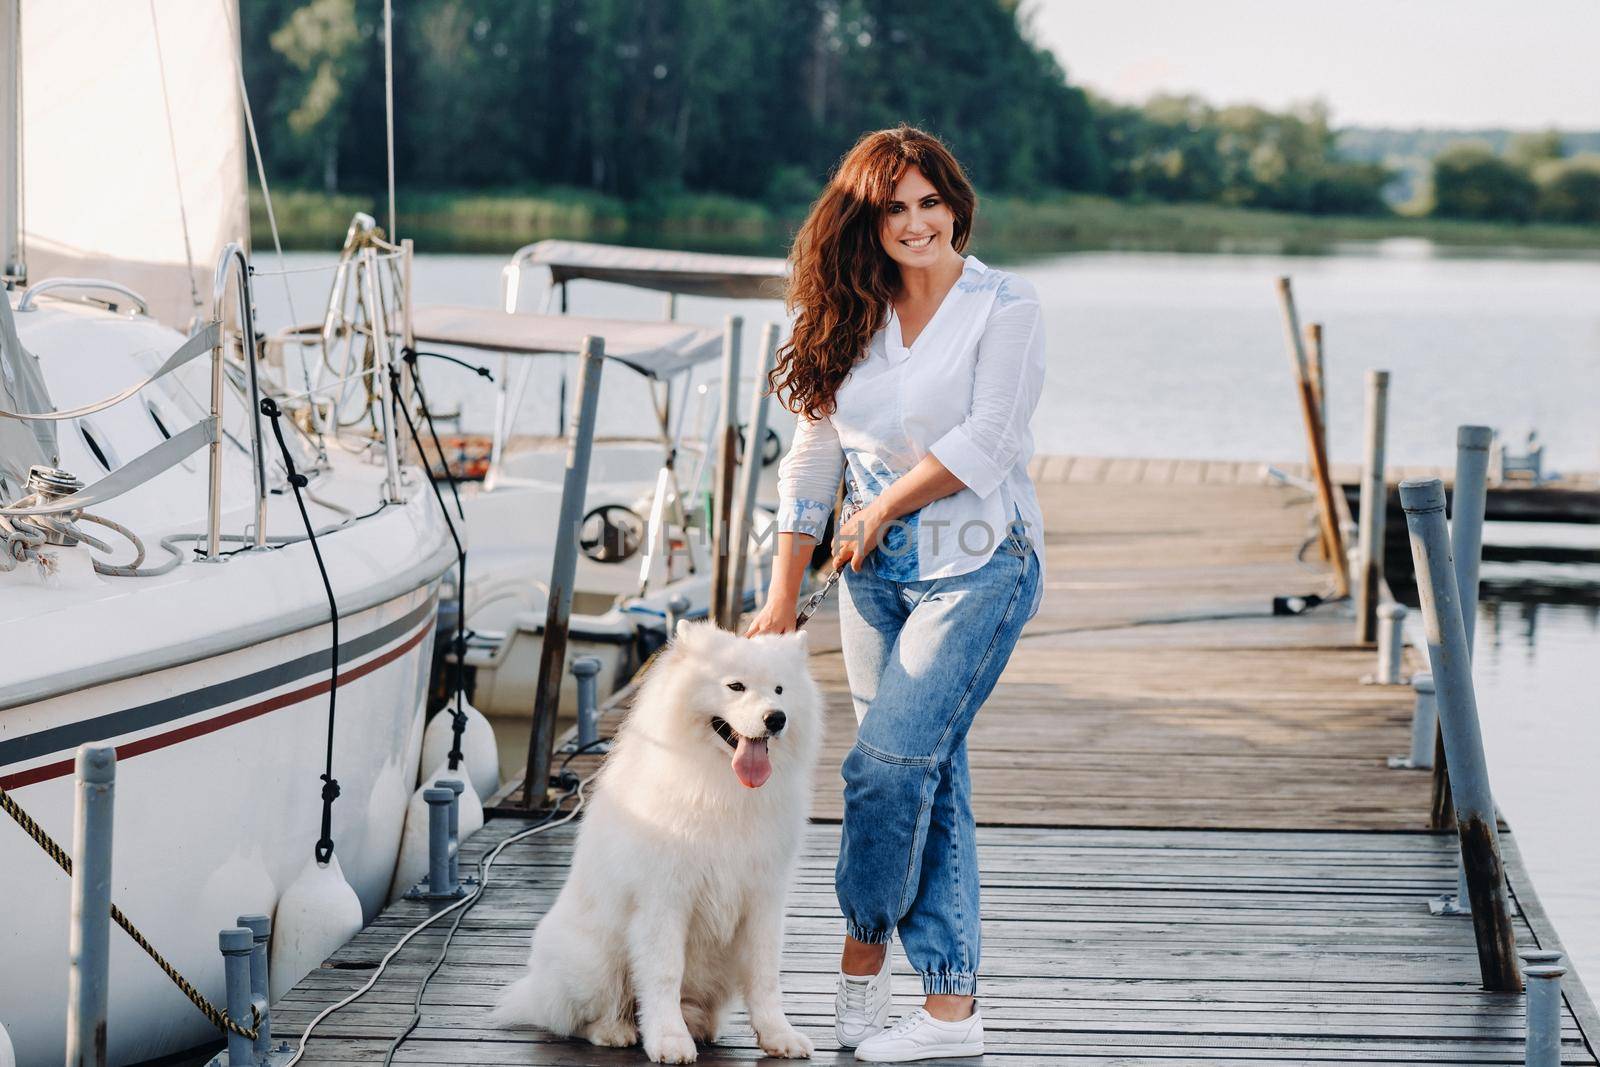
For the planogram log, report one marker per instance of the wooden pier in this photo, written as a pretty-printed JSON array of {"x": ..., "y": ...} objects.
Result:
[{"x": 1193, "y": 851}]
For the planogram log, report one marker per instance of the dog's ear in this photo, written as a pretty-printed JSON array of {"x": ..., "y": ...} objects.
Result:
[
  {"x": 693, "y": 634},
  {"x": 801, "y": 643}
]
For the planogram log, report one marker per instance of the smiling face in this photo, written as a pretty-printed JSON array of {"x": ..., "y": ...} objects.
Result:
[
  {"x": 918, "y": 228},
  {"x": 747, "y": 705}
]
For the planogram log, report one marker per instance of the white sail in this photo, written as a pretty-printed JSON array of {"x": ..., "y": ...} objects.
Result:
[{"x": 100, "y": 188}]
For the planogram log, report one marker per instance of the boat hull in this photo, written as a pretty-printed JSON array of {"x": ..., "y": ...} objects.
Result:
[{"x": 217, "y": 809}]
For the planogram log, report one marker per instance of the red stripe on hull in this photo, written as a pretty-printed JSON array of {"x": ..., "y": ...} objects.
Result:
[{"x": 62, "y": 768}]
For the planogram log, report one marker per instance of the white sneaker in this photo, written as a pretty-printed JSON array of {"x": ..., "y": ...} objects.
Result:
[
  {"x": 919, "y": 1036},
  {"x": 861, "y": 1006}
]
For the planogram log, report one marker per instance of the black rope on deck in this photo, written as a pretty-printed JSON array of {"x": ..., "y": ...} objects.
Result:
[{"x": 298, "y": 481}]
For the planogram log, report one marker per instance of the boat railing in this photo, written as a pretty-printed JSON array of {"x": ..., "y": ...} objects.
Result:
[
  {"x": 140, "y": 304},
  {"x": 232, "y": 281}
]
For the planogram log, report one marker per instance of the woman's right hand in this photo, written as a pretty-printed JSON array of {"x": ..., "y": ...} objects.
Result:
[{"x": 774, "y": 618}]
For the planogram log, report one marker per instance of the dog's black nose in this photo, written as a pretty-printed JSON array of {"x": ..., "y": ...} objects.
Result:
[{"x": 774, "y": 721}]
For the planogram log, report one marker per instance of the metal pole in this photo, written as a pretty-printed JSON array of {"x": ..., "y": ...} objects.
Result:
[
  {"x": 1321, "y": 475},
  {"x": 563, "y": 570},
  {"x": 754, "y": 440},
  {"x": 1467, "y": 505},
  {"x": 439, "y": 800},
  {"x": 677, "y": 608},
  {"x": 726, "y": 463},
  {"x": 1374, "y": 507},
  {"x": 1544, "y": 1013},
  {"x": 260, "y": 927},
  {"x": 232, "y": 257},
  {"x": 11, "y": 262},
  {"x": 89, "y": 939},
  {"x": 1424, "y": 724},
  {"x": 584, "y": 669},
  {"x": 380, "y": 349},
  {"x": 1423, "y": 500},
  {"x": 1391, "y": 645},
  {"x": 456, "y": 788},
  {"x": 214, "y": 459},
  {"x": 238, "y": 944}
]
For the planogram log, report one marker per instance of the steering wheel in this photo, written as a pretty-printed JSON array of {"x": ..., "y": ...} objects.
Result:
[
  {"x": 611, "y": 533},
  {"x": 771, "y": 446}
]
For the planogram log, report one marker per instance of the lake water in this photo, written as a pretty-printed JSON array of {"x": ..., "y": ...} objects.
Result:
[{"x": 1182, "y": 355}]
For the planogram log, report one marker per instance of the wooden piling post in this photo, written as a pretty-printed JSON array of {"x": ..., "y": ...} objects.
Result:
[
  {"x": 727, "y": 466},
  {"x": 563, "y": 572},
  {"x": 1327, "y": 510},
  {"x": 1319, "y": 393},
  {"x": 1374, "y": 508}
]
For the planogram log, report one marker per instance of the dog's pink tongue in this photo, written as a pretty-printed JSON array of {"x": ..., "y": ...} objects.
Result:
[{"x": 750, "y": 762}]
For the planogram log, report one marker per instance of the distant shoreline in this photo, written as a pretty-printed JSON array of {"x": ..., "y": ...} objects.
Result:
[{"x": 1018, "y": 227}]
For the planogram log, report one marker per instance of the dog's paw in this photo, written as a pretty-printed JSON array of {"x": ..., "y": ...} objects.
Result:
[
  {"x": 614, "y": 1033},
  {"x": 670, "y": 1047},
  {"x": 787, "y": 1042}
]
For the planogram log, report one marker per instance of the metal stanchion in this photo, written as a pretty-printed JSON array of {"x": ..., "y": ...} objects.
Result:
[
  {"x": 238, "y": 945},
  {"x": 755, "y": 439},
  {"x": 260, "y": 927},
  {"x": 586, "y": 669},
  {"x": 89, "y": 940},
  {"x": 1391, "y": 646},
  {"x": 1543, "y": 971},
  {"x": 1423, "y": 500},
  {"x": 1424, "y": 724}
]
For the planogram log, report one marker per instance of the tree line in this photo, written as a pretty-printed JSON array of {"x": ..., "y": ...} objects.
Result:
[{"x": 758, "y": 99}]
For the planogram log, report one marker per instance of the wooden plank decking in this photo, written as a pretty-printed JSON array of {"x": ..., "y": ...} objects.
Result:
[{"x": 1192, "y": 850}]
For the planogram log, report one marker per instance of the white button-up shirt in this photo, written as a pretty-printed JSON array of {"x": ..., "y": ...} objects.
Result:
[{"x": 965, "y": 391}]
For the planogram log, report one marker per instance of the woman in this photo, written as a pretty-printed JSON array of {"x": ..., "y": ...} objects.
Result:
[{"x": 914, "y": 370}]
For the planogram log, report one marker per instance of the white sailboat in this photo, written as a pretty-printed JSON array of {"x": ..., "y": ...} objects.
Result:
[{"x": 208, "y": 669}]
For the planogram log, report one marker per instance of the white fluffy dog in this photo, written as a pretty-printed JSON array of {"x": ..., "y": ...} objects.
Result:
[{"x": 675, "y": 900}]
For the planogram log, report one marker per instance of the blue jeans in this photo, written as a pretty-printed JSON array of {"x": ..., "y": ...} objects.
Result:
[{"x": 921, "y": 658}]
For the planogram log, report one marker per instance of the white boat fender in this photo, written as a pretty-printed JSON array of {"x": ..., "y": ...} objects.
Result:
[
  {"x": 412, "y": 865},
  {"x": 316, "y": 915},
  {"x": 8, "y": 1055},
  {"x": 479, "y": 752}
]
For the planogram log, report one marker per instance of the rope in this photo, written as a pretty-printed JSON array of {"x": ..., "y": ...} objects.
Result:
[
  {"x": 297, "y": 481},
  {"x": 484, "y": 866},
  {"x": 218, "y": 1018},
  {"x": 575, "y": 789},
  {"x": 458, "y": 725},
  {"x": 177, "y": 170}
]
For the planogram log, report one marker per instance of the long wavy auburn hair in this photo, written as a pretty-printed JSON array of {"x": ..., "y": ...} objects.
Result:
[{"x": 841, "y": 279}]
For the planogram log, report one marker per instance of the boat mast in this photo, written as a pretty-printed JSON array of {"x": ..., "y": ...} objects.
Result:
[{"x": 12, "y": 266}]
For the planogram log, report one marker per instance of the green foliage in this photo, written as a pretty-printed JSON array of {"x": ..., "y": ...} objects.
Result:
[
  {"x": 1471, "y": 182},
  {"x": 1569, "y": 189},
  {"x": 1182, "y": 149},
  {"x": 633, "y": 98},
  {"x": 719, "y": 120}
]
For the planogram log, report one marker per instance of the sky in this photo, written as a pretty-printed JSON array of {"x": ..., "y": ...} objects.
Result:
[{"x": 1431, "y": 63}]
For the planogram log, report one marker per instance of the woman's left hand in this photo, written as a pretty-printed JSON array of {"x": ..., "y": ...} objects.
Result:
[{"x": 859, "y": 536}]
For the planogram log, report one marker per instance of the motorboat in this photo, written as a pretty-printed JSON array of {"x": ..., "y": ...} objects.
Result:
[
  {"x": 647, "y": 556},
  {"x": 159, "y": 588}
]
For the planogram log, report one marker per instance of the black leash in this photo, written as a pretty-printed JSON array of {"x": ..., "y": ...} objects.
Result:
[{"x": 297, "y": 481}]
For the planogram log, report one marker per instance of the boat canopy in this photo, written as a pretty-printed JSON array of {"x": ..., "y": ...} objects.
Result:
[
  {"x": 691, "y": 273},
  {"x": 657, "y": 350}
]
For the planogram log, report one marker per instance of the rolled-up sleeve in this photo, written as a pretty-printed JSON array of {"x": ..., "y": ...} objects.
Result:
[
  {"x": 1007, "y": 380},
  {"x": 808, "y": 477}
]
